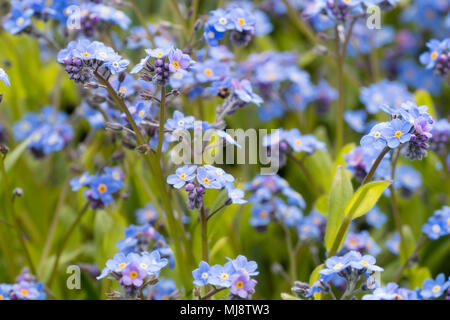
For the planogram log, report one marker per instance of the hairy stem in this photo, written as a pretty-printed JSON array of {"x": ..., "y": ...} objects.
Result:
[{"x": 204, "y": 227}]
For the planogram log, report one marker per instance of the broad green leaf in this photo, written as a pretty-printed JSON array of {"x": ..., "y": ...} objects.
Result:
[
  {"x": 321, "y": 204},
  {"x": 319, "y": 165},
  {"x": 340, "y": 193},
  {"x": 365, "y": 198},
  {"x": 423, "y": 98}
]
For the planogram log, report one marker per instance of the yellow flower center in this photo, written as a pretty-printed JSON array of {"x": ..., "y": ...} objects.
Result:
[
  {"x": 364, "y": 263},
  {"x": 24, "y": 292},
  {"x": 298, "y": 142},
  {"x": 141, "y": 113},
  {"x": 239, "y": 284},
  {"x": 338, "y": 266},
  {"x": 208, "y": 72},
  {"x": 241, "y": 21},
  {"x": 20, "y": 21},
  {"x": 86, "y": 54},
  {"x": 122, "y": 265},
  {"x": 122, "y": 90},
  {"x": 206, "y": 181},
  {"x": 102, "y": 188},
  {"x": 377, "y": 135},
  {"x": 434, "y": 55},
  {"x": 176, "y": 64},
  {"x": 436, "y": 288},
  {"x": 183, "y": 176},
  {"x": 398, "y": 134},
  {"x": 224, "y": 276},
  {"x": 133, "y": 275},
  {"x": 1, "y": 297},
  {"x": 159, "y": 54},
  {"x": 263, "y": 214}
]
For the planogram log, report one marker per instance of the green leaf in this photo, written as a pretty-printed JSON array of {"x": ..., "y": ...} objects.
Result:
[
  {"x": 341, "y": 191},
  {"x": 408, "y": 245},
  {"x": 365, "y": 198},
  {"x": 13, "y": 156},
  {"x": 423, "y": 98},
  {"x": 321, "y": 204},
  {"x": 217, "y": 246}
]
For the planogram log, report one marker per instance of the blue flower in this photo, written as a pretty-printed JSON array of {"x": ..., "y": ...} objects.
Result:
[
  {"x": 19, "y": 18},
  {"x": 5, "y": 291},
  {"x": 208, "y": 179},
  {"x": 375, "y": 218},
  {"x": 202, "y": 274},
  {"x": 4, "y": 77},
  {"x": 116, "y": 264},
  {"x": 211, "y": 35},
  {"x": 436, "y": 47},
  {"x": 221, "y": 275},
  {"x": 182, "y": 176},
  {"x": 397, "y": 132},
  {"x": 117, "y": 66},
  {"x": 261, "y": 215},
  {"x": 79, "y": 182},
  {"x": 221, "y": 20},
  {"x": 220, "y": 175},
  {"x": 163, "y": 289},
  {"x": 180, "y": 122},
  {"x": 393, "y": 244},
  {"x": 356, "y": 120},
  {"x": 434, "y": 288},
  {"x": 147, "y": 214},
  {"x": 235, "y": 195},
  {"x": 26, "y": 290},
  {"x": 242, "y": 265},
  {"x": 243, "y": 89},
  {"x": 438, "y": 225},
  {"x": 242, "y": 19},
  {"x": 408, "y": 178},
  {"x": 375, "y": 137}
]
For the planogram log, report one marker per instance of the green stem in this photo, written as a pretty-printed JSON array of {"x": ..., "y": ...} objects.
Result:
[
  {"x": 340, "y": 106},
  {"x": 177, "y": 10},
  {"x": 375, "y": 165},
  {"x": 80, "y": 215},
  {"x": 204, "y": 226}
]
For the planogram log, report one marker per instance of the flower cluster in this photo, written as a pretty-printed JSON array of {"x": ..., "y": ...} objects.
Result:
[
  {"x": 438, "y": 225},
  {"x": 238, "y": 21},
  {"x": 145, "y": 238},
  {"x": 166, "y": 61},
  {"x": 283, "y": 142},
  {"x": 235, "y": 274},
  {"x": 90, "y": 15},
  {"x": 440, "y": 136},
  {"x": 361, "y": 242},
  {"x": 26, "y": 288},
  {"x": 102, "y": 187},
  {"x": 438, "y": 58},
  {"x": 385, "y": 92},
  {"x": 196, "y": 180},
  {"x": 84, "y": 58},
  {"x": 352, "y": 267},
  {"x": 134, "y": 271},
  {"x": 47, "y": 132},
  {"x": 410, "y": 124},
  {"x": 431, "y": 289},
  {"x": 275, "y": 200}
]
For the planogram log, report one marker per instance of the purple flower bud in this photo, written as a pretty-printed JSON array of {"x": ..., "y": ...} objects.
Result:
[
  {"x": 190, "y": 187},
  {"x": 200, "y": 190},
  {"x": 159, "y": 62}
]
